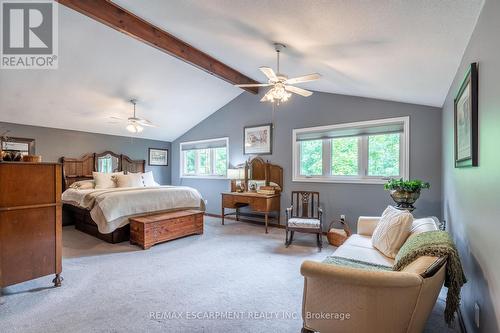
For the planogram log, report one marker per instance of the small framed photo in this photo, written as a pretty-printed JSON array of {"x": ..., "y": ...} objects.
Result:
[
  {"x": 466, "y": 120},
  {"x": 158, "y": 156},
  {"x": 258, "y": 140}
]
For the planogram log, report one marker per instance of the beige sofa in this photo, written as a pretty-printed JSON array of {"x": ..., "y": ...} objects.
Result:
[{"x": 344, "y": 299}]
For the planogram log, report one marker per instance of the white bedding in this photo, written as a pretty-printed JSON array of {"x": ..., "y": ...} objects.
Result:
[{"x": 111, "y": 208}]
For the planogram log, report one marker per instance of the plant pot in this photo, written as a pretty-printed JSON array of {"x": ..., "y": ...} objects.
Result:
[{"x": 404, "y": 199}]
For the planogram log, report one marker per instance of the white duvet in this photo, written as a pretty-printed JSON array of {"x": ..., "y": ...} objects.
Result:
[{"x": 111, "y": 208}]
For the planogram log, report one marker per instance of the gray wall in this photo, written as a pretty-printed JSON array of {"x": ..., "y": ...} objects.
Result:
[
  {"x": 470, "y": 195},
  {"x": 53, "y": 143},
  {"x": 322, "y": 109}
]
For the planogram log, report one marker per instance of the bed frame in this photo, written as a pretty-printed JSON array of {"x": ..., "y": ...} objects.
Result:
[{"x": 76, "y": 169}]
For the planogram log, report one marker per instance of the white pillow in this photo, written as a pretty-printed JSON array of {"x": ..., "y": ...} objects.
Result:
[
  {"x": 105, "y": 180},
  {"x": 129, "y": 180},
  {"x": 83, "y": 185},
  {"x": 423, "y": 225},
  {"x": 148, "y": 179},
  {"x": 392, "y": 231}
]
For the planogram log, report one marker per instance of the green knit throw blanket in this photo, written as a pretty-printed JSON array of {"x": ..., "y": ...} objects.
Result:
[
  {"x": 353, "y": 263},
  {"x": 436, "y": 244}
]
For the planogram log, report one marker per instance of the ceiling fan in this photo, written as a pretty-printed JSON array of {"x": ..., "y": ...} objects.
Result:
[
  {"x": 282, "y": 86},
  {"x": 134, "y": 123}
]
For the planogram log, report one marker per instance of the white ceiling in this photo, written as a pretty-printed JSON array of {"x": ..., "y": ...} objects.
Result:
[
  {"x": 100, "y": 70},
  {"x": 397, "y": 50}
]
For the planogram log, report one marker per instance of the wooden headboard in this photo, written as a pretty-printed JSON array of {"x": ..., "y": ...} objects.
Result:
[
  {"x": 258, "y": 169},
  {"x": 76, "y": 169}
]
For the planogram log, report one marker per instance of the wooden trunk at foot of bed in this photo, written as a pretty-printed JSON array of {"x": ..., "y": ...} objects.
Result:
[{"x": 83, "y": 221}]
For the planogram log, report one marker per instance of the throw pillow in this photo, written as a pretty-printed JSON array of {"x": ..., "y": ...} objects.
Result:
[
  {"x": 129, "y": 180},
  {"x": 148, "y": 179},
  {"x": 423, "y": 225},
  {"x": 105, "y": 180},
  {"x": 392, "y": 231},
  {"x": 83, "y": 185}
]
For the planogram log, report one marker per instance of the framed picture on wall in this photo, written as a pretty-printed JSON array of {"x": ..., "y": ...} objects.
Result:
[
  {"x": 466, "y": 120},
  {"x": 23, "y": 146},
  {"x": 258, "y": 140},
  {"x": 158, "y": 156}
]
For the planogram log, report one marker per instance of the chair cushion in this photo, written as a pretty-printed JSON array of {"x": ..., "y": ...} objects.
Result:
[
  {"x": 392, "y": 231},
  {"x": 303, "y": 223}
]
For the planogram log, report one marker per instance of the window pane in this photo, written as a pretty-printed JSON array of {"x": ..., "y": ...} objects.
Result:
[
  {"x": 311, "y": 158},
  {"x": 345, "y": 156},
  {"x": 220, "y": 161},
  {"x": 383, "y": 155},
  {"x": 189, "y": 162},
  {"x": 203, "y": 161}
]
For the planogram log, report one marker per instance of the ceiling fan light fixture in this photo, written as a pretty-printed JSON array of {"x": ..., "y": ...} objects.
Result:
[
  {"x": 282, "y": 87},
  {"x": 134, "y": 128},
  {"x": 277, "y": 94}
]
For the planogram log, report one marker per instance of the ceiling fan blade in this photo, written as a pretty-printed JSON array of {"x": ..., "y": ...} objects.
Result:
[
  {"x": 269, "y": 73},
  {"x": 264, "y": 99},
  {"x": 298, "y": 91},
  {"x": 304, "y": 78},
  {"x": 253, "y": 85},
  {"x": 146, "y": 122},
  {"x": 113, "y": 117}
]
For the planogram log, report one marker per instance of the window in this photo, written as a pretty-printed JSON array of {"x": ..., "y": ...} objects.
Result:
[
  {"x": 205, "y": 158},
  {"x": 362, "y": 152},
  {"x": 311, "y": 155}
]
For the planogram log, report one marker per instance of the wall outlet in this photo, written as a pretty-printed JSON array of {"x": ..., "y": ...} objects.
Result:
[
  {"x": 477, "y": 313},
  {"x": 342, "y": 217}
]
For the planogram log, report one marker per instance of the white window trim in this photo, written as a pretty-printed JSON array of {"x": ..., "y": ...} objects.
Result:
[
  {"x": 404, "y": 153},
  {"x": 181, "y": 160}
]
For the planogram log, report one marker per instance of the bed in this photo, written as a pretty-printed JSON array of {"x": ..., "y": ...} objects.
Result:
[{"x": 105, "y": 213}]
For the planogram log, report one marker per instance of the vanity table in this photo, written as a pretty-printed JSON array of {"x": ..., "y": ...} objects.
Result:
[{"x": 265, "y": 173}]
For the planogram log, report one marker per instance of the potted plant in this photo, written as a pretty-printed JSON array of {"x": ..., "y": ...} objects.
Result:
[{"x": 405, "y": 192}]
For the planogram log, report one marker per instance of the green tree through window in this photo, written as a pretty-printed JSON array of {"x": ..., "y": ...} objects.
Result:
[
  {"x": 383, "y": 155},
  {"x": 190, "y": 160},
  {"x": 311, "y": 157},
  {"x": 220, "y": 161},
  {"x": 345, "y": 156}
]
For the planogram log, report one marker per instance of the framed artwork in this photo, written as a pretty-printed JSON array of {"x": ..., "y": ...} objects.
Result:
[
  {"x": 158, "y": 156},
  {"x": 466, "y": 120},
  {"x": 258, "y": 140},
  {"x": 21, "y": 145}
]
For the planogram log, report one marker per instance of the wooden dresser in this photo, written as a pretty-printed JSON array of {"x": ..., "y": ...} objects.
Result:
[{"x": 30, "y": 222}]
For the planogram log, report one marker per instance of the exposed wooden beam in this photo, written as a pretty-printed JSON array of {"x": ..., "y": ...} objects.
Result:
[{"x": 122, "y": 20}]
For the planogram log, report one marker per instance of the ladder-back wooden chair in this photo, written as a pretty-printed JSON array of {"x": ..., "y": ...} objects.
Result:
[{"x": 305, "y": 215}]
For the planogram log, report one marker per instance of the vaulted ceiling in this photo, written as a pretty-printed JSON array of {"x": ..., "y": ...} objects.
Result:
[{"x": 405, "y": 51}]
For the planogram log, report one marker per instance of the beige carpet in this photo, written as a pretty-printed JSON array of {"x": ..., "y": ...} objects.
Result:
[{"x": 234, "y": 278}]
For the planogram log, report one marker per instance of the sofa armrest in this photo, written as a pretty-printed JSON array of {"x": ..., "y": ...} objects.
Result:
[
  {"x": 367, "y": 224},
  {"x": 371, "y": 301}
]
